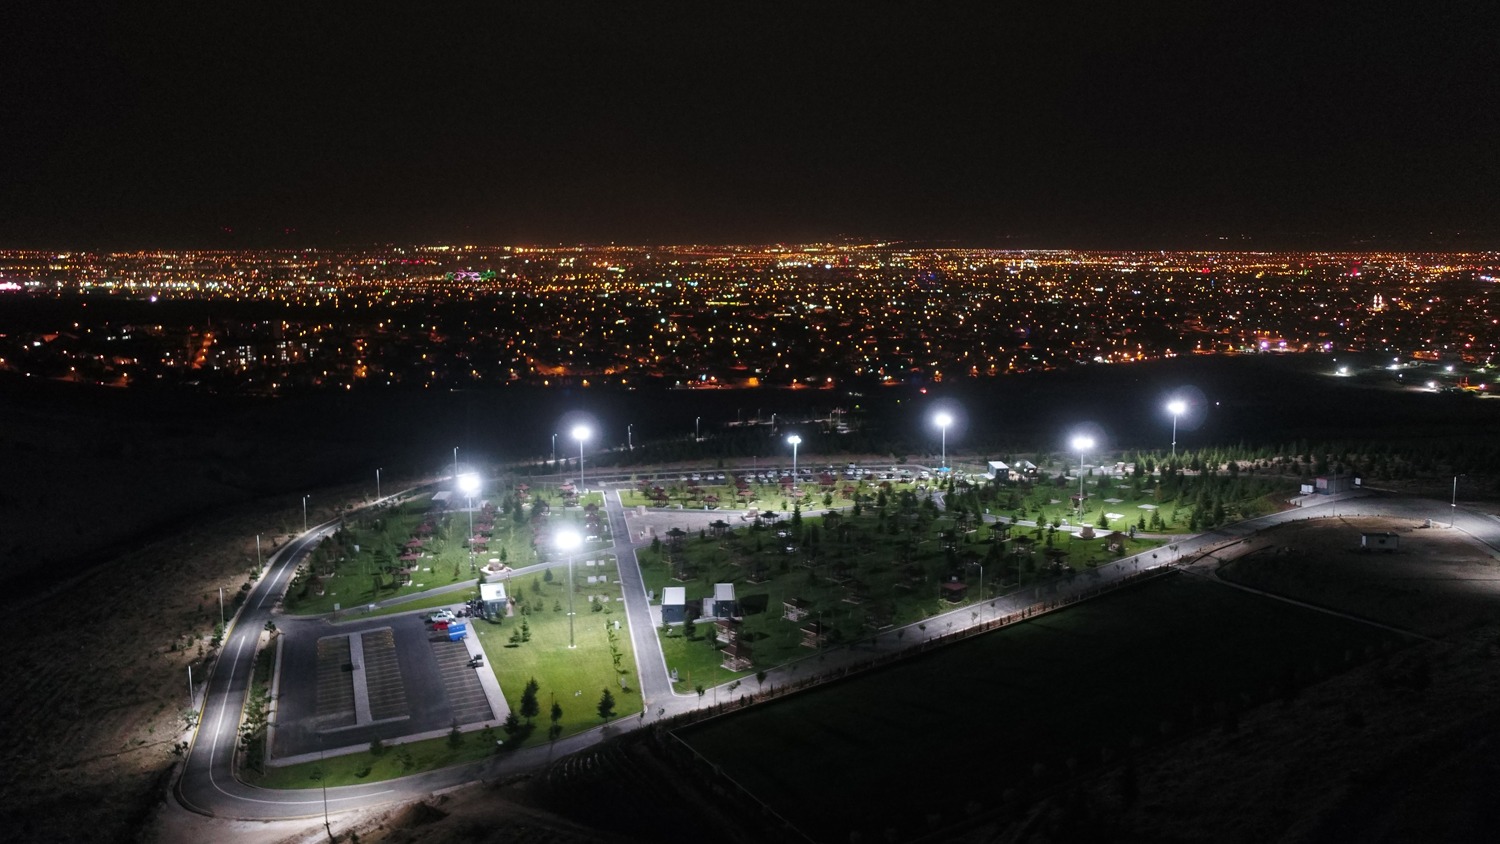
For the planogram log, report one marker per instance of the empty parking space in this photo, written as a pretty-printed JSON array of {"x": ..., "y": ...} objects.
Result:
[
  {"x": 335, "y": 707},
  {"x": 383, "y": 675},
  {"x": 461, "y": 683}
]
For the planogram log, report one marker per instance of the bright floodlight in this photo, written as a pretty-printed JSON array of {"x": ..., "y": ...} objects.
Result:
[
  {"x": 468, "y": 483},
  {"x": 794, "y": 439},
  {"x": 568, "y": 540},
  {"x": 580, "y": 432},
  {"x": 943, "y": 420},
  {"x": 1083, "y": 443},
  {"x": 1177, "y": 407}
]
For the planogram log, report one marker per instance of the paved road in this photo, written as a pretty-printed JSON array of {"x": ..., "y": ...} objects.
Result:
[{"x": 207, "y": 784}]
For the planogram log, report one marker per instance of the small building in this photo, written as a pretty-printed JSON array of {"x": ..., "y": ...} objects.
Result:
[
  {"x": 1115, "y": 542},
  {"x": 998, "y": 470},
  {"x": 1332, "y": 485},
  {"x": 1379, "y": 541},
  {"x": 727, "y": 630},
  {"x": 796, "y": 609},
  {"x": 814, "y": 635},
  {"x": 493, "y": 602},
  {"x": 725, "y": 605},
  {"x": 674, "y": 605},
  {"x": 954, "y": 591},
  {"x": 737, "y": 657}
]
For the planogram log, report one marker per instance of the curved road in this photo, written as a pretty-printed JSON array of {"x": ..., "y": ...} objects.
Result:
[{"x": 207, "y": 784}]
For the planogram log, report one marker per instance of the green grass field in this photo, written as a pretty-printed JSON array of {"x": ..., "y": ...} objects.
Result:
[
  {"x": 574, "y": 677},
  {"x": 1019, "y": 703}
]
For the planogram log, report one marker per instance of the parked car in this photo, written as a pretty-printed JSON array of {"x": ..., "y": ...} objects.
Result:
[{"x": 441, "y": 615}]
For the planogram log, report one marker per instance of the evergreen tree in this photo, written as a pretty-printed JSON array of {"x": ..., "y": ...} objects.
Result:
[{"x": 606, "y": 705}]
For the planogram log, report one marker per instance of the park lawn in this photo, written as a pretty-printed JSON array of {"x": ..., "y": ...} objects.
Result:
[
  {"x": 1030, "y": 700},
  {"x": 425, "y": 602},
  {"x": 696, "y": 661},
  {"x": 380, "y": 536},
  {"x": 573, "y": 677},
  {"x": 397, "y": 760}
]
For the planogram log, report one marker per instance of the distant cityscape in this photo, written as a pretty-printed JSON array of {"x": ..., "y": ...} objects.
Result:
[{"x": 818, "y": 316}]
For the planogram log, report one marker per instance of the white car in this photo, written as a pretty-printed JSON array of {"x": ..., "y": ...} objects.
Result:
[{"x": 442, "y": 615}]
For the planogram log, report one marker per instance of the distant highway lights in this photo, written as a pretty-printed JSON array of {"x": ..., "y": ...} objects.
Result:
[
  {"x": 795, "y": 441},
  {"x": 580, "y": 433},
  {"x": 468, "y": 484},
  {"x": 1081, "y": 444},
  {"x": 567, "y": 542},
  {"x": 1176, "y": 407},
  {"x": 943, "y": 420}
]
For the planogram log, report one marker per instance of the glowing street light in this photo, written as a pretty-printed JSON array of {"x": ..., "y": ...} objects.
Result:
[
  {"x": 468, "y": 484},
  {"x": 567, "y": 541},
  {"x": 795, "y": 441},
  {"x": 304, "y": 514},
  {"x": 1176, "y": 407},
  {"x": 377, "y": 484},
  {"x": 1081, "y": 444},
  {"x": 943, "y": 420},
  {"x": 580, "y": 433}
]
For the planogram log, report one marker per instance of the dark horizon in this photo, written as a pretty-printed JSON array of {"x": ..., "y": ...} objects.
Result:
[{"x": 1164, "y": 125}]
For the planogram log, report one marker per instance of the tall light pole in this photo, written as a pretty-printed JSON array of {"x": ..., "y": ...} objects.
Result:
[
  {"x": 554, "y": 449},
  {"x": 1453, "y": 514},
  {"x": 468, "y": 482},
  {"x": 567, "y": 541},
  {"x": 377, "y": 484},
  {"x": 696, "y": 420},
  {"x": 630, "y": 437},
  {"x": 1176, "y": 407},
  {"x": 943, "y": 420},
  {"x": 580, "y": 433},
  {"x": 455, "y": 462},
  {"x": 795, "y": 441},
  {"x": 304, "y": 514},
  {"x": 1082, "y": 444}
]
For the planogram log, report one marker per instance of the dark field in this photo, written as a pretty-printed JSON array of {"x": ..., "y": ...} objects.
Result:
[{"x": 951, "y": 732}]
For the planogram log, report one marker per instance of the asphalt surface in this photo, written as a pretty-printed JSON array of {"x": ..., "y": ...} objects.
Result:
[{"x": 207, "y": 784}]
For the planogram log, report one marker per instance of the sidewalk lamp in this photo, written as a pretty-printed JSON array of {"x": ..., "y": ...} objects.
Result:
[
  {"x": 943, "y": 420},
  {"x": 580, "y": 433},
  {"x": 795, "y": 440},
  {"x": 1081, "y": 445},
  {"x": 1176, "y": 407},
  {"x": 567, "y": 541},
  {"x": 468, "y": 484}
]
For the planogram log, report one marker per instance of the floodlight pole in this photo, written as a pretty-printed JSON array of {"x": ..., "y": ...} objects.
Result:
[{"x": 377, "y": 484}]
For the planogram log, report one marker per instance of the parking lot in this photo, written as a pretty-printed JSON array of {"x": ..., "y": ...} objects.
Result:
[{"x": 344, "y": 685}]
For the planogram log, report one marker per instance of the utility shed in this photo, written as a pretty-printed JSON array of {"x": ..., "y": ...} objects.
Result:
[
  {"x": 492, "y": 596},
  {"x": 673, "y": 605}
]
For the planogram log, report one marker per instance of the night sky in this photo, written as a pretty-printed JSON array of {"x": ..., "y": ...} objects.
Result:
[{"x": 1147, "y": 124}]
